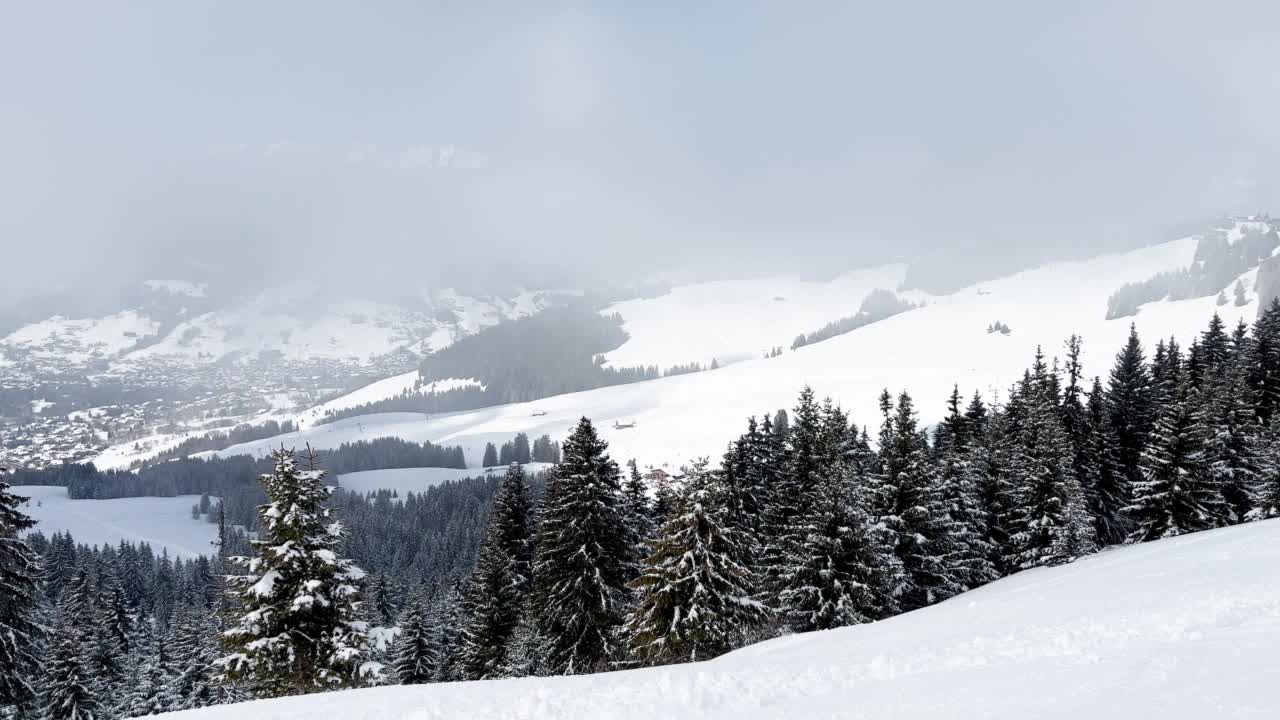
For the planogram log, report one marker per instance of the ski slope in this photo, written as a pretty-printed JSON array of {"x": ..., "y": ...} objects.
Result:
[
  {"x": 1187, "y": 628},
  {"x": 163, "y": 522},
  {"x": 923, "y": 351}
]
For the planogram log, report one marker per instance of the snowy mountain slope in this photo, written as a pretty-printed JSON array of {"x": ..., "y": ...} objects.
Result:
[
  {"x": 923, "y": 351},
  {"x": 413, "y": 480},
  {"x": 373, "y": 392},
  {"x": 297, "y": 322},
  {"x": 82, "y": 340},
  {"x": 163, "y": 522},
  {"x": 1181, "y": 628},
  {"x": 734, "y": 320}
]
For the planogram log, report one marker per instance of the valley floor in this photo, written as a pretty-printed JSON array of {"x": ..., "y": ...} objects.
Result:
[{"x": 1181, "y": 628}]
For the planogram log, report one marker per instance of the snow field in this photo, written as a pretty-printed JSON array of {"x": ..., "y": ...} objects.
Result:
[
  {"x": 163, "y": 522},
  {"x": 416, "y": 480},
  {"x": 734, "y": 320}
]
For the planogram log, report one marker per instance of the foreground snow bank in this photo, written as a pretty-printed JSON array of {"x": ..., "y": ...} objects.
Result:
[{"x": 1182, "y": 628}]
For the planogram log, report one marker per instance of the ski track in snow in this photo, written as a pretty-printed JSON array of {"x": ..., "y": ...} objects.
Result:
[{"x": 1181, "y": 628}]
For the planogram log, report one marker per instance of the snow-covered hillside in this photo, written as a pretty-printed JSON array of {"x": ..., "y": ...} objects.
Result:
[
  {"x": 414, "y": 480},
  {"x": 1182, "y": 628},
  {"x": 297, "y": 322},
  {"x": 923, "y": 351},
  {"x": 79, "y": 341},
  {"x": 163, "y": 522},
  {"x": 734, "y": 320},
  {"x": 180, "y": 361}
]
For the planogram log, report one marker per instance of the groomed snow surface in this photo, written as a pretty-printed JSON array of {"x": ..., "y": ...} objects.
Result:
[
  {"x": 1187, "y": 628},
  {"x": 163, "y": 522}
]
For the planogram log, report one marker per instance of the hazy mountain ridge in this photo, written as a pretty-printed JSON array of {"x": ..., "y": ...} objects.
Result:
[{"x": 181, "y": 358}]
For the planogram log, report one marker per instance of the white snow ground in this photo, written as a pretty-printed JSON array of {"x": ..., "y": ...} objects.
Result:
[
  {"x": 163, "y": 522},
  {"x": 734, "y": 320},
  {"x": 415, "y": 480},
  {"x": 373, "y": 392},
  {"x": 1187, "y": 628},
  {"x": 923, "y": 351}
]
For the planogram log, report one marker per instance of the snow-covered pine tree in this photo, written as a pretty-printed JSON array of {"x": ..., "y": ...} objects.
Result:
[
  {"x": 990, "y": 454},
  {"x": 299, "y": 630},
  {"x": 444, "y": 614},
  {"x": 1105, "y": 487},
  {"x": 960, "y": 494},
  {"x": 694, "y": 592},
  {"x": 580, "y": 570},
  {"x": 500, "y": 581},
  {"x": 379, "y": 607},
  {"x": 20, "y": 634},
  {"x": 65, "y": 693},
  {"x": 911, "y": 509},
  {"x": 524, "y": 657},
  {"x": 1232, "y": 436},
  {"x": 1264, "y": 362},
  {"x": 752, "y": 476},
  {"x": 193, "y": 643},
  {"x": 639, "y": 509},
  {"x": 846, "y": 571},
  {"x": 1215, "y": 351},
  {"x": 1049, "y": 521},
  {"x": 1178, "y": 494},
  {"x": 801, "y": 464},
  {"x": 150, "y": 689},
  {"x": 1266, "y": 491},
  {"x": 1130, "y": 407},
  {"x": 417, "y": 648}
]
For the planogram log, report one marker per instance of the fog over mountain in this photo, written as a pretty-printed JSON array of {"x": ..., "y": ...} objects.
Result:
[{"x": 595, "y": 142}]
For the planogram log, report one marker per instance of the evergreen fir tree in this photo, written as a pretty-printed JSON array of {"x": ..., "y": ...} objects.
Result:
[
  {"x": 801, "y": 465},
  {"x": 1049, "y": 520},
  {"x": 525, "y": 656},
  {"x": 20, "y": 635},
  {"x": 639, "y": 512},
  {"x": 1178, "y": 494},
  {"x": 499, "y": 583},
  {"x": 989, "y": 468},
  {"x": 65, "y": 692},
  {"x": 580, "y": 570},
  {"x": 1264, "y": 362},
  {"x": 971, "y": 550},
  {"x": 1105, "y": 488},
  {"x": 194, "y": 651},
  {"x": 150, "y": 689},
  {"x": 694, "y": 593},
  {"x": 1232, "y": 437},
  {"x": 299, "y": 630},
  {"x": 417, "y": 648},
  {"x": 1267, "y": 487},
  {"x": 490, "y": 458},
  {"x": 845, "y": 571},
  {"x": 910, "y": 508},
  {"x": 1130, "y": 408}
]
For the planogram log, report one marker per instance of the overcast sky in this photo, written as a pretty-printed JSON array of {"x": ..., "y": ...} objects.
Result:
[{"x": 390, "y": 143}]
